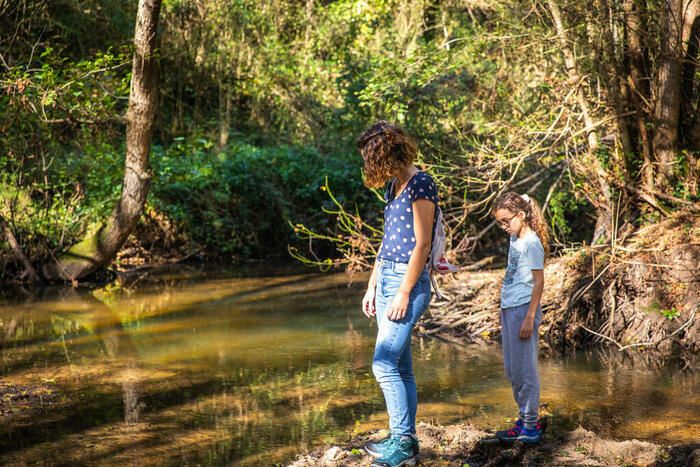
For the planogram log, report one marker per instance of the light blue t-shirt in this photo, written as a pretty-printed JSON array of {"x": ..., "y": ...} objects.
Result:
[{"x": 524, "y": 255}]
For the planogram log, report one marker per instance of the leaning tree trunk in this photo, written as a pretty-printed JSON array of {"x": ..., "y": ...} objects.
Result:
[
  {"x": 574, "y": 75},
  {"x": 690, "y": 90},
  {"x": 101, "y": 246}
]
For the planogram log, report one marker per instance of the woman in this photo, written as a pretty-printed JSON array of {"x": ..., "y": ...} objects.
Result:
[{"x": 398, "y": 292}]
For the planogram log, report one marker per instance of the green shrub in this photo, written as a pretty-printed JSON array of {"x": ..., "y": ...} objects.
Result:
[{"x": 239, "y": 200}]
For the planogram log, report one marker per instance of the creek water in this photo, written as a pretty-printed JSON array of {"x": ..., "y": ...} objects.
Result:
[{"x": 211, "y": 367}]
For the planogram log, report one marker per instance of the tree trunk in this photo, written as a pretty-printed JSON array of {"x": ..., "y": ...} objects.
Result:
[
  {"x": 690, "y": 112},
  {"x": 310, "y": 26},
  {"x": 574, "y": 75},
  {"x": 223, "y": 72},
  {"x": 29, "y": 270},
  {"x": 444, "y": 21},
  {"x": 224, "y": 112},
  {"x": 408, "y": 22},
  {"x": 614, "y": 76},
  {"x": 668, "y": 93},
  {"x": 694, "y": 133},
  {"x": 600, "y": 196},
  {"x": 100, "y": 247},
  {"x": 690, "y": 89},
  {"x": 638, "y": 93}
]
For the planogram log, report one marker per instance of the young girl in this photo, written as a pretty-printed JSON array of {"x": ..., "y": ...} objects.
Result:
[
  {"x": 520, "y": 216},
  {"x": 398, "y": 291}
]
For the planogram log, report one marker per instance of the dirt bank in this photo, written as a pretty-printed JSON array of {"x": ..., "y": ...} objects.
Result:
[
  {"x": 641, "y": 292},
  {"x": 461, "y": 445}
]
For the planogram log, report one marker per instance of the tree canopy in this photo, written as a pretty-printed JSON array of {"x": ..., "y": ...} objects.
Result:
[{"x": 593, "y": 109}]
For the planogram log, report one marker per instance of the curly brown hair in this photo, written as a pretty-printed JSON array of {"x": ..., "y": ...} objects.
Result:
[
  {"x": 385, "y": 148},
  {"x": 515, "y": 203}
]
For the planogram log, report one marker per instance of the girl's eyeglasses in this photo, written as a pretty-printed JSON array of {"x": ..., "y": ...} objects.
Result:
[{"x": 505, "y": 224}]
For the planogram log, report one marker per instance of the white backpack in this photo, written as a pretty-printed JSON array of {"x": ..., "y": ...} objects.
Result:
[{"x": 437, "y": 261}]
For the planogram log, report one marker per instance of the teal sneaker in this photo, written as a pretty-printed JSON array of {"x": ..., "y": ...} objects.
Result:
[
  {"x": 376, "y": 449},
  {"x": 398, "y": 452}
]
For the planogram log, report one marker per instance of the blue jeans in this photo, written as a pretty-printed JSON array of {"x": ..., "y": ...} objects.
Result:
[{"x": 393, "y": 365}]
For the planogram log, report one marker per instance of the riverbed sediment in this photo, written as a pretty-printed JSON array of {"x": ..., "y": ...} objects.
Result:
[{"x": 469, "y": 445}]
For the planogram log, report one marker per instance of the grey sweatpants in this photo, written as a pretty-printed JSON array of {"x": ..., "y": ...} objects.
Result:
[{"x": 520, "y": 361}]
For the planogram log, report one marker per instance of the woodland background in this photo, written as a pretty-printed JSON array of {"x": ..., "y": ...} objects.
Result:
[{"x": 591, "y": 107}]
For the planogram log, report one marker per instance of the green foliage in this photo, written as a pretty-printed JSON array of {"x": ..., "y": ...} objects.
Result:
[
  {"x": 63, "y": 95},
  {"x": 291, "y": 85},
  {"x": 355, "y": 239},
  {"x": 238, "y": 200},
  {"x": 671, "y": 314},
  {"x": 41, "y": 219},
  {"x": 567, "y": 213},
  {"x": 57, "y": 114}
]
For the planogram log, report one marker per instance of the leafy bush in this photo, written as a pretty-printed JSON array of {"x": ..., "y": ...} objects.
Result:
[{"x": 239, "y": 200}]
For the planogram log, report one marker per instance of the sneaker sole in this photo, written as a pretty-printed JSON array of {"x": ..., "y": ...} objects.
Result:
[
  {"x": 411, "y": 461},
  {"x": 377, "y": 455},
  {"x": 529, "y": 440},
  {"x": 506, "y": 438}
]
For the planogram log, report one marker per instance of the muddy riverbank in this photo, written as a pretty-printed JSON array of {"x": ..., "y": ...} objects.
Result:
[
  {"x": 468, "y": 445},
  {"x": 641, "y": 293}
]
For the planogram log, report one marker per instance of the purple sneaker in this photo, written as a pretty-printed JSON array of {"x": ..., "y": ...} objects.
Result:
[
  {"x": 512, "y": 434},
  {"x": 531, "y": 435}
]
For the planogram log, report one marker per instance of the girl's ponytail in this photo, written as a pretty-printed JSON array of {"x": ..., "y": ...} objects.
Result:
[{"x": 538, "y": 224}]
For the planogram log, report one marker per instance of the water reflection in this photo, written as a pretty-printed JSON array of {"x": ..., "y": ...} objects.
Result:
[
  {"x": 105, "y": 324},
  {"x": 253, "y": 370}
]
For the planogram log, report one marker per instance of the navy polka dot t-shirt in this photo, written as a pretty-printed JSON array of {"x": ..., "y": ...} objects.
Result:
[{"x": 399, "y": 238}]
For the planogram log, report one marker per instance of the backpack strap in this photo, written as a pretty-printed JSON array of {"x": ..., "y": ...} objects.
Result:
[{"x": 389, "y": 193}]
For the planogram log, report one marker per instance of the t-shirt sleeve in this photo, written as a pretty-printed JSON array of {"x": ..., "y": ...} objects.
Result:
[
  {"x": 535, "y": 255},
  {"x": 423, "y": 187}
]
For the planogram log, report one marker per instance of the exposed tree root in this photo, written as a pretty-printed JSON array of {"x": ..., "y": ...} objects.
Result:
[{"x": 644, "y": 294}]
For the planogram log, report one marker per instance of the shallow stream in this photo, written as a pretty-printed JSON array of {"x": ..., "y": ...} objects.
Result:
[{"x": 214, "y": 368}]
